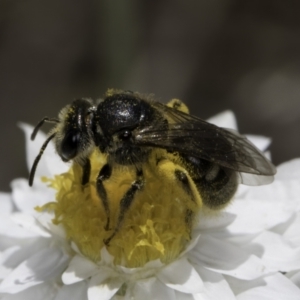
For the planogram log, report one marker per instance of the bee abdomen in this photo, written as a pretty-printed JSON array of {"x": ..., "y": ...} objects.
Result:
[
  {"x": 212, "y": 173},
  {"x": 215, "y": 184},
  {"x": 217, "y": 187}
]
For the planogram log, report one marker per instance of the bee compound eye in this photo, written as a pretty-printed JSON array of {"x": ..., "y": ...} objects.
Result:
[{"x": 70, "y": 145}]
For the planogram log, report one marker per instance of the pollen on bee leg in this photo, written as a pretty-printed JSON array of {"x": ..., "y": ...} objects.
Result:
[
  {"x": 175, "y": 174},
  {"x": 178, "y": 105},
  {"x": 178, "y": 181}
]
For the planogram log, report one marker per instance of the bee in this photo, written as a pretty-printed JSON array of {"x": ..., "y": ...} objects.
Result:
[{"x": 129, "y": 128}]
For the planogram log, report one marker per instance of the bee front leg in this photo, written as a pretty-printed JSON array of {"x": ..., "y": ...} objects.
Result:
[
  {"x": 126, "y": 202},
  {"x": 104, "y": 174}
]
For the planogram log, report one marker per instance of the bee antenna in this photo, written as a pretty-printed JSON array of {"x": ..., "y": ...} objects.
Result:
[
  {"x": 40, "y": 124},
  {"x": 37, "y": 159}
]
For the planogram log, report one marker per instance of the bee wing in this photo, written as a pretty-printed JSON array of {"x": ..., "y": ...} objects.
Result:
[{"x": 192, "y": 136}]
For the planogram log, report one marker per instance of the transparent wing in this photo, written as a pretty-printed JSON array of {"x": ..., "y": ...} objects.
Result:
[{"x": 192, "y": 136}]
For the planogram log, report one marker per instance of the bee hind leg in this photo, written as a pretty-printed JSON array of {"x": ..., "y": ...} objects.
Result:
[
  {"x": 183, "y": 178},
  {"x": 179, "y": 177},
  {"x": 126, "y": 202}
]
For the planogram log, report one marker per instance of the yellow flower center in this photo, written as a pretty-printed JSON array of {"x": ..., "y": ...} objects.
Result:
[{"x": 156, "y": 225}]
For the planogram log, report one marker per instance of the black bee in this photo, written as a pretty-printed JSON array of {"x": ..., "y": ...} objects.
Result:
[{"x": 128, "y": 127}]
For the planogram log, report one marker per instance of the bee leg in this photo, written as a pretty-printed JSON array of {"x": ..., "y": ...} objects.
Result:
[
  {"x": 173, "y": 172},
  {"x": 189, "y": 218},
  {"x": 126, "y": 202},
  {"x": 178, "y": 176},
  {"x": 183, "y": 178},
  {"x": 178, "y": 105},
  {"x": 86, "y": 171},
  {"x": 104, "y": 174}
]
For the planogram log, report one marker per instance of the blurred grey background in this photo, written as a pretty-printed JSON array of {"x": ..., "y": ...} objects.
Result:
[{"x": 213, "y": 54}]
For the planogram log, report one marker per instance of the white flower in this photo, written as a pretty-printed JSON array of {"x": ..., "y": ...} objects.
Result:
[
  {"x": 288, "y": 231},
  {"x": 236, "y": 254}
]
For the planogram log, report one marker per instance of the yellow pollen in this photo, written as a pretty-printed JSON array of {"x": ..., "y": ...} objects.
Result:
[{"x": 155, "y": 225}]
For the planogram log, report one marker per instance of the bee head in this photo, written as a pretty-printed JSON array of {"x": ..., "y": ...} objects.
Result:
[{"x": 73, "y": 133}]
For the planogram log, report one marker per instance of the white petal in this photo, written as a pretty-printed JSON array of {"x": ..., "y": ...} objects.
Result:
[
  {"x": 254, "y": 217},
  {"x": 50, "y": 164},
  {"x": 214, "y": 223},
  {"x": 10, "y": 229},
  {"x": 290, "y": 230},
  {"x": 180, "y": 275},
  {"x": 215, "y": 286},
  {"x": 79, "y": 269},
  {"x": 27, "y": 198},
  {"x": 5, "y": 269},
  {"x": 261, "y": 142},
  {"x": 183, "y": 296},
  {"x": 6, "y": 206},
  {"x": 14, "y": 256},
  {"x": 149, "y": 289},
  {"x": 191, "y": 244},
  {"x": 295, "y": 278},
  {"x": 226, "y": 258},
  {"x": 148, "y": 270},
  {"x": 28, "y": 222},
  {"x": 285, "y": 187},
  {"x": 77, "y": 291},
  {"x": 106, "y": 258},
  {"x": 272, "y": 287},
  {"x": 54, "y": 163},
  {"x": 32, "y": 147},
  {"x": 104, "y": 286},
  {"x": 262, "y": 208},
  {"x": 289, "y": 170},
  {"x": 40, "y": 267},
  {"x": 275, "y": 252},
  {"x": 224, "y": 119},
  {"x": 45, "y": 220},
  {"x": 42, "y": 291}
]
